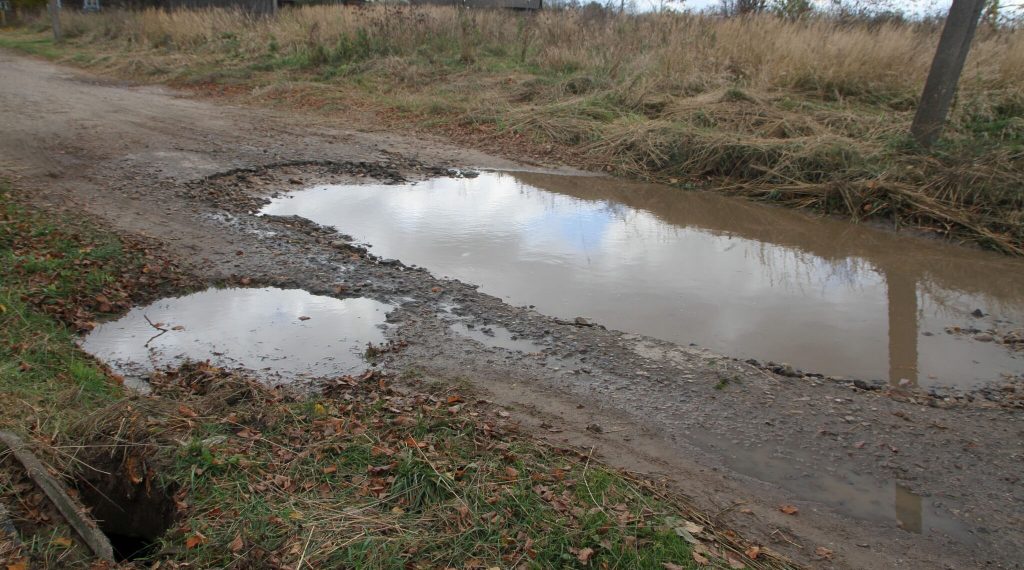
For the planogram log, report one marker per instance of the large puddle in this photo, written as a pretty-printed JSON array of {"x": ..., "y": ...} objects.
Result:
[
  {"x": 743, "y": 279},
  {"x": 285, "y": 332}
]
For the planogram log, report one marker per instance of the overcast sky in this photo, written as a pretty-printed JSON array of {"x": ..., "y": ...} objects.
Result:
[{"x": 907, "y": 6}]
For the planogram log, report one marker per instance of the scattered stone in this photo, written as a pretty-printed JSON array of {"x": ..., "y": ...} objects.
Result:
[{"x": 983, "y": 337}]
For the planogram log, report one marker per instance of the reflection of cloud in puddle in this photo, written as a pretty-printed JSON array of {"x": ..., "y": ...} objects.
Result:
[{"x": 259, "y": 329}]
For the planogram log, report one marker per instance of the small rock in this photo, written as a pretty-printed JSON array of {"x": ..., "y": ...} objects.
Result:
[
  {"x": 983, "y": 337},
  {"x": 596, "y": 428},
  {"x": 787, "y": 370},
  {"x": 864, "y": 385},
  {"x": 977, "y": 313}
]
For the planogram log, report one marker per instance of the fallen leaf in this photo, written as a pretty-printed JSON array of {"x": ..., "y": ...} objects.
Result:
[
  {"x": 823, "y": 552},
  {"x": 62, "y": 541},
  {"x": 236, "y": 544},
  {"x": 584, "y": 555},
  {"x": 753, "y": 552},
  {"x": 685, "y": 535},
  {"x": 670, "y": 566},
  {"x": 734, "y": 562},
  {"x": 692, "y": 527},
  {"x": 700, "y": 558},
  {"x": 131, "y": 467},
  {"x": 789, "y": 509},
  {"x": 18, "y": 564},
  {"x": 195, "y": 540}
]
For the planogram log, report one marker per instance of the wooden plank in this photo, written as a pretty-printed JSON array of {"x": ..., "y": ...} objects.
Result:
[{"x": 73, "y": 512}]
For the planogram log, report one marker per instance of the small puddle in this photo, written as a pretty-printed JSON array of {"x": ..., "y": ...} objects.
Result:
[
  {"x": 286, "y": 332},
  {"x": 742, "y": 279},
  {"x": 857, "y": 495},
  {"x": 495, "y": 336}
]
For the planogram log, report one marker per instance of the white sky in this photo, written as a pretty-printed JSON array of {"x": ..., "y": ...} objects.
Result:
[{"x": 907, "y": 6}]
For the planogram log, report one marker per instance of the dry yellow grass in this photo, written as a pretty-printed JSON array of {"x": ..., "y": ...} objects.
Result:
[
  {"x": 657, "y": 52},
  {"x": 810, "y": 112}
]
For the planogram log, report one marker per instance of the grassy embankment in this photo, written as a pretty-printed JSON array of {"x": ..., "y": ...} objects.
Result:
[
  {"x": 810, "y": 113},
  {"x": 361, "y": 476}
]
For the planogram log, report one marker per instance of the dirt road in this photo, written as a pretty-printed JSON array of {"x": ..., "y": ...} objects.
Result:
[{"x": 858, "y": 464}]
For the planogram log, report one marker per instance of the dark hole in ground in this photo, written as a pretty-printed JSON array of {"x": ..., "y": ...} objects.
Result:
[{"x": 133, "y": 515}]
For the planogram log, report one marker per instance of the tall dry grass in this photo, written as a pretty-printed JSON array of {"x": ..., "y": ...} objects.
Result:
[
  {"x": 812, "y": 112},
  {"x": 663, "y": 52}
]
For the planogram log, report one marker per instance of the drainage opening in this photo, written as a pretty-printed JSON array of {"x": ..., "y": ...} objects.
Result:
[{"x": 133, "y": 513}]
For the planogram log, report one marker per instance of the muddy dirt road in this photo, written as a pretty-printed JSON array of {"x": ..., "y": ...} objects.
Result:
[{"x": 882, "y": 481}]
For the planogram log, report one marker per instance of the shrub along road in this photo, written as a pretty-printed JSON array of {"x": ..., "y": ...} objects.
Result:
[{"x": 776, "y": 458}]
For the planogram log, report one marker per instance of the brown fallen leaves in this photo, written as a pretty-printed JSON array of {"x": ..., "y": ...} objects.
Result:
[
  {"x": 73, "y": 273},
  {"x": 789, "y": 509}
]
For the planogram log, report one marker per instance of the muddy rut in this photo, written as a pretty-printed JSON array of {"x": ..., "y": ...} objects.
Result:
[{"x": 882, "y": 478}]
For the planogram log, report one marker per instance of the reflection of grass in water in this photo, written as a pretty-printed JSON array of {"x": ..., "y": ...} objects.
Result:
[{"x": 959, "y": 304}]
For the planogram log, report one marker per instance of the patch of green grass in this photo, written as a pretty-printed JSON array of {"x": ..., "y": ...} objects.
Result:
[
  {"x": 35, "y": 44},
  {"x": 47, "y": 382},
  {"x": 365, "y": 479}
]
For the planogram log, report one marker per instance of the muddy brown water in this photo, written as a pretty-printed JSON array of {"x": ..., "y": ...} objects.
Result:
[
  {"x": 742, "y": 279},
  {"x": 284, "y": 332}
]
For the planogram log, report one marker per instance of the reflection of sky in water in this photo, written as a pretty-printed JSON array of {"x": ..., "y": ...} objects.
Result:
[
  {"x": 631, "y": 270},
  {"x": 253, "y": 328}
]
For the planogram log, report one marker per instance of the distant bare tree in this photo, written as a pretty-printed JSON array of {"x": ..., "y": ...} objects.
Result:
[
  {"x": 743, "y": 7},
  {"x": 792, "y": 9}
]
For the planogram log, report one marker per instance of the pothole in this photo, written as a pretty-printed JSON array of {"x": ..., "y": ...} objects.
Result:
[
  {"x": 740, "y": 279},
  {"x": 133, "y": 515},
  {"x": 288, "y": 333}
]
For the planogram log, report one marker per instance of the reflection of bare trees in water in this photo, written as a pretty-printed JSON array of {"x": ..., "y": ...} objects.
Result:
[
  {"x": 796, "y": 251},
  {"x": 946, "y": 267}
]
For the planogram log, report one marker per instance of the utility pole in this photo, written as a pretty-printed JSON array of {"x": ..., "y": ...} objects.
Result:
[
  {"x": 944, "y": 76},
  {"x": 55, "y": 19}
]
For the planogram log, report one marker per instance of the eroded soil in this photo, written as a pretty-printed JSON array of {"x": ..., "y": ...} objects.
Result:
[{"x": 858, "y": 463}]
